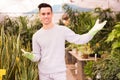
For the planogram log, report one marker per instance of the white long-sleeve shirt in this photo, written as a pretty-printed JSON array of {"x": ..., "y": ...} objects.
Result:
[{"x": 49, "y": 47}]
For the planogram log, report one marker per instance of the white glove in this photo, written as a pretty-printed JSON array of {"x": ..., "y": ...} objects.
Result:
[
  {"x": 28, "y": 55},
  {"x": 98, "y": 26}
]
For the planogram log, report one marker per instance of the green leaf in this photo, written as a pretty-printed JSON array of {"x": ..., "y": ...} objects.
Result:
[
  {"x": 111, "y": 36},
  {"x": 116, "y": 45}
]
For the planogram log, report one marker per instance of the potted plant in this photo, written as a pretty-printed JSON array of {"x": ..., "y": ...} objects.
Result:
[{"x": 84, "y": 50}]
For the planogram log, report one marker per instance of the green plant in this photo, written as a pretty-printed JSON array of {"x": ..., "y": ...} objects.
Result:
[
  {"x": 22, "y": 26},
  {"x": 80, "y": 22},
  {"x": 11, "y": 59},
  {"x": 114, "y": 37},
  {"x": 88, "y": 68},
  {"x": 109, "y": 67},
  {"x": 12, "y": 35}
]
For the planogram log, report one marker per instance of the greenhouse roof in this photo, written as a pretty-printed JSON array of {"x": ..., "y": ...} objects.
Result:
[{"x": 20, "y": 7}]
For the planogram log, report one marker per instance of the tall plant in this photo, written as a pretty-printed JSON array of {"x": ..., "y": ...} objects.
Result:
[
  {"x": 13, "y": 33},
  {"x": 18, "y": 68}
]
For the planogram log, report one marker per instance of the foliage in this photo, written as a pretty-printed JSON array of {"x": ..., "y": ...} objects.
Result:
[
  {"x": 109, "y": 67},
  {"x": 13, "y": 33},
  {"x": 82, "y": 22},
  {"x": 88, "y": 68},
  {"x": 114, "y": 37},
  {"x": 22, "y": 26},
  {"x": 12, "y": 60},
  {"x": 101, "y": 36}
]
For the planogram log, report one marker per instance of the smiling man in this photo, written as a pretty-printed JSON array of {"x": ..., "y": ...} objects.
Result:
[{"x": 48, "y": 44}]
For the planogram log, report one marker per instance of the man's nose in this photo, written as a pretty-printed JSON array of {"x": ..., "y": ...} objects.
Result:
[{"x": 46, "y": 15}]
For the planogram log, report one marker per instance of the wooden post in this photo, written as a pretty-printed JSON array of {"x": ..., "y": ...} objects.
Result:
[
  {"x": 80, "y": 70},
  {"x": 81, "y": 64}
]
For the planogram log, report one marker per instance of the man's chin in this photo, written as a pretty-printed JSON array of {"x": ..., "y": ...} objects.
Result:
[{"x": 46, "y": 23}]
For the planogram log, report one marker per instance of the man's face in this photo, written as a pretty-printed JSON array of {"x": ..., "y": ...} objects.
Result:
[{"x": 46, "y": 15}]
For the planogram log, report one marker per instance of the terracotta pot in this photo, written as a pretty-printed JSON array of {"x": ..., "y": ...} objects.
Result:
[{"x": 85, "y": 56}]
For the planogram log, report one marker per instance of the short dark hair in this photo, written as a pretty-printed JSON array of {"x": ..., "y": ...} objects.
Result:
[{"x": 44, "y": 5}]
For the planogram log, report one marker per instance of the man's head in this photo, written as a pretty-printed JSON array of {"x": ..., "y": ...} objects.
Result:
[
  {"x": 45, "y": 13},
  {"x": 43, "y": 5}
]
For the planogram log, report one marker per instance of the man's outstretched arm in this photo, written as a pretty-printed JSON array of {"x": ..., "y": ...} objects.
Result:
[{"x": 84, "y": 38}]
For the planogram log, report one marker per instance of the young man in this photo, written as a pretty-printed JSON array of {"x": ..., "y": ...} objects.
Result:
[{"x": 48, "y": 44}]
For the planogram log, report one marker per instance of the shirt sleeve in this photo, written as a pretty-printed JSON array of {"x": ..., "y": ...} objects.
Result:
[
  {"x": 36, "y": 49},
  {"x": 72, "y": 37}
]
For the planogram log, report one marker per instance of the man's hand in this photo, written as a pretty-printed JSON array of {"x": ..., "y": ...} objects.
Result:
[
  {"x": 28, "y": 54},
  {"x": 98, "y": 26}
]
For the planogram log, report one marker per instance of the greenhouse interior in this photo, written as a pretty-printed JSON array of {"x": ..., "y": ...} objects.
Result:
[{"x": 22, "y": 23}]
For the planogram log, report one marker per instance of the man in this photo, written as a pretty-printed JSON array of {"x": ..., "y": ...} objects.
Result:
[{"x": 48, "y": 44}]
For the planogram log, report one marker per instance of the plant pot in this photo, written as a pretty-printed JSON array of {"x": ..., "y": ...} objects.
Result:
[{"x": 85, "y": 56}]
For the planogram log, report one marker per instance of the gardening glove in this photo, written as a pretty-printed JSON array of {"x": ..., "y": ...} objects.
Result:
[
  {"x": 98, "y": 26},
  {"x": 28, "y": 55}
]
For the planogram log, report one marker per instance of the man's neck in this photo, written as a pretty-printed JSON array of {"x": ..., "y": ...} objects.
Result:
[{"x": 49, "y": 26}]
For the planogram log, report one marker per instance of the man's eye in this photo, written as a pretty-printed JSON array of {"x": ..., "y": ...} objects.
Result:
[
  {"x": 43, "y": 13},
  {"x": 48, "y": 13}
]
